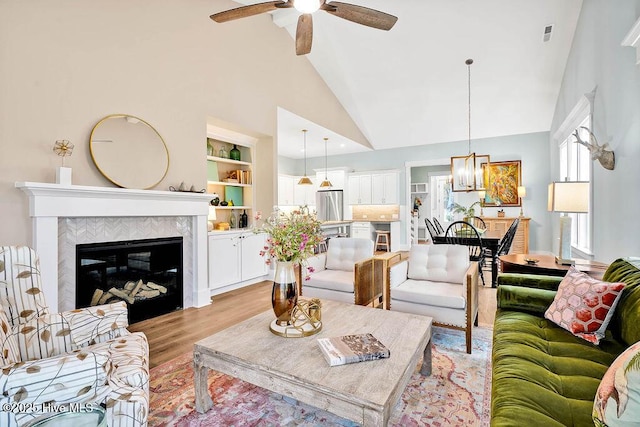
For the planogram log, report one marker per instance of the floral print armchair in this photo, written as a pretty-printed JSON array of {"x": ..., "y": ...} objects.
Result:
[{"x": 80, "y": 357}]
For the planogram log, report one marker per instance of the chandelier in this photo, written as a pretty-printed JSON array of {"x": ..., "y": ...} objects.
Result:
[{"x": 470, "y": 172}]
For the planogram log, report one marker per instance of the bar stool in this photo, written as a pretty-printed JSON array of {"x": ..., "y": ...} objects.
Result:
[{"x": 382, "y": 239}]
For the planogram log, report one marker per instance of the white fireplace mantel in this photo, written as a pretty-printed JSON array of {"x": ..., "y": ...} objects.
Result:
[{"x": 49, "y": 202}]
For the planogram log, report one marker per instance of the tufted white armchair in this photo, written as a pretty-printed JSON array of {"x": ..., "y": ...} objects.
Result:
[
  {"x": 76, "y": 357},
  {"x": 343, "y": 273},
  {"x": 437, "y": 281}
]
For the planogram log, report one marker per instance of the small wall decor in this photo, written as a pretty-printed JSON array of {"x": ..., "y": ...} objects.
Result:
[
  {"x": 598, "y": 152},
  {"x": 501, "y": 179},
  {"x": 63, "y": 148}
]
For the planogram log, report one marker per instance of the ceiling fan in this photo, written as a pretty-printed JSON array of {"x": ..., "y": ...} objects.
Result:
[{"x": 304, "y": 32}]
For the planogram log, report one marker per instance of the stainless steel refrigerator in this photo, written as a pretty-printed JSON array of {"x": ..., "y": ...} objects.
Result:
[{"x": 329, "y": 205}]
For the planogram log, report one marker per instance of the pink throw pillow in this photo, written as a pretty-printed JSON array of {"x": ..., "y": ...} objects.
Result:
[{"x": 584, "y": 305}]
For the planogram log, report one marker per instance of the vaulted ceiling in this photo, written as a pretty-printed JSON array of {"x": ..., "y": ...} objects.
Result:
[{"x": 408, "y": 86}]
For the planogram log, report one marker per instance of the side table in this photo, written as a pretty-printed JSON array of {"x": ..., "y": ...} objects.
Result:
[{"x": 515, "y": 263}]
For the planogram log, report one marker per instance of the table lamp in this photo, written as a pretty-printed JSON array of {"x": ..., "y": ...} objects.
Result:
[
  {"x": 522, "y": 192},
  {"x": 567, "y": 197},
  {"x": 482, "y": 194}
]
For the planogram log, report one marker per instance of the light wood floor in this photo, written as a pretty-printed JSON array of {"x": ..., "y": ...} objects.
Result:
[{"x": 174, "y": 334}]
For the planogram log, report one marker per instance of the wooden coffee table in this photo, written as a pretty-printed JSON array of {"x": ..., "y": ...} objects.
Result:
[
  {"x": 363, "y": 392},
  {"x": 515, "y": 263}
]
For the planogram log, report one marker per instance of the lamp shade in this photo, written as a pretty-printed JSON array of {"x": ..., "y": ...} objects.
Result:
[
  {"x": 568, "y": 196},
  {"x": 305, "y": 181},
  {"x": 522, "y": 191}
]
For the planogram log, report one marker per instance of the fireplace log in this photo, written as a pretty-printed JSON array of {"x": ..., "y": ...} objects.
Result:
[
  {"x": 129, "y": 285},
  {"x": 117, "y": 292},
  {"x": 105, "y": 297},
  {"x": 148, "y": 294},
  {"x": 95, "y": 299},
  {"x": 136, "y": 289},
  {"x": 162, "y": 289}
]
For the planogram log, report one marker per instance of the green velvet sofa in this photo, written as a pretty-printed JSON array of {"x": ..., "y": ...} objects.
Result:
[{"x": 542, "y": 374}]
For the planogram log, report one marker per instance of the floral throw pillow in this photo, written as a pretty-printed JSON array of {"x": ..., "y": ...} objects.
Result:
[
  {"x": 584, "y": 305},
  {"x": 617, "y": 401}
]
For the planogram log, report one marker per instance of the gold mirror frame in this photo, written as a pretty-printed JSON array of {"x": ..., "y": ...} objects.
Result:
[{"x": 137, "y": 149}]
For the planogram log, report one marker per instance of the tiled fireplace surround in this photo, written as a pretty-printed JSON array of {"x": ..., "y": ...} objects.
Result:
[{"x": 64, "y": 216}]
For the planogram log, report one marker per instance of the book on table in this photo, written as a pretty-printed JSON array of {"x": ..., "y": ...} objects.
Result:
[{"x": 352, "y": 348}]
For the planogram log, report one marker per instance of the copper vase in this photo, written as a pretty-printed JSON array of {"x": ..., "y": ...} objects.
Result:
[{"x": 284, "y": 295}]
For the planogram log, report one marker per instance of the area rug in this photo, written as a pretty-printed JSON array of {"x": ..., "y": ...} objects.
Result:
[{"x": 457, "y": 393}]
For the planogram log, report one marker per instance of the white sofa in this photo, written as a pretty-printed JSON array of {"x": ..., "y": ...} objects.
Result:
[
  {"x": 437, "y": 281},
  {"x": 344, "y": 273}
]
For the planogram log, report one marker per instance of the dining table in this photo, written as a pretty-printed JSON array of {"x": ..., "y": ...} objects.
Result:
[{"x": 490, "y": 240}]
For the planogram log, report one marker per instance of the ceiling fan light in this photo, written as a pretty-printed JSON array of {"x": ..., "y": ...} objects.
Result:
[{"x": 306, "y": 6}]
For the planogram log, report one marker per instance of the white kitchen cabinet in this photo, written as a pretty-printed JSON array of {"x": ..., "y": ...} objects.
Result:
[
  {"x": 235, "y": 258},
  {"x": 304, "y": 195},
  {"x": 337, "y": 178},
  {"x": 384, "y": 188},
  {"x": 360, "y": 189},
  {"x": 285, "y": 190}
]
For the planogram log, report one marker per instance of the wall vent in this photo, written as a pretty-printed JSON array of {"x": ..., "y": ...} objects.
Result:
[{"x": 547, "y": 33}]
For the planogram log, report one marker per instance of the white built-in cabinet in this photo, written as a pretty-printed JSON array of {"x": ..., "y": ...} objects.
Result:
[
  {"x": 375, "y": 188},
  {"x": 360, "y": 189},
  {"x": 336, "y": 176},
  {"x": 384, "y": 188},
  {"x": 235, "y": 258},
  {"x": 292, "y": 194}
]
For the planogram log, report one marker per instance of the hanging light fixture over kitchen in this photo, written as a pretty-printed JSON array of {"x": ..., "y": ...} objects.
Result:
[
  {"x": 305, "y": 179},
  {"x": 467, "y": 171},
  {"x": 326, "y": 183}
]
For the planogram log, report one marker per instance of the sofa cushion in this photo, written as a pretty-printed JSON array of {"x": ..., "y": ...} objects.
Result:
[
  {"x": 542, "y": 374},
  {"x": 617, "y": 401},
  {"x": 584, "y": 305},
  {"x": 336, "y": 280},
  {"x": 626, "y": 318},
  {"x": 344, "y": 253},
  {"x": 438, "y": 263},
  {"x": 425, "y": 292}
]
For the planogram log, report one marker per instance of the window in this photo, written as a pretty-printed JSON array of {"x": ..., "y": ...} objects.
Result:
[{"x": 575, "y": 165}]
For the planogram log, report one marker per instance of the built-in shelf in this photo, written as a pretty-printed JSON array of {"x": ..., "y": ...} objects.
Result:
[
  {"x": 419, "y": 187},
  {"x": 233, "y": 207},
  {"x": 225, "y": 160},
  {"x": 234, "y": 184}
]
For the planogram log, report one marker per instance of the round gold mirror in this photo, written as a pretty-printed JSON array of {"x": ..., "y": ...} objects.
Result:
[{"x": 129, "y": 152}]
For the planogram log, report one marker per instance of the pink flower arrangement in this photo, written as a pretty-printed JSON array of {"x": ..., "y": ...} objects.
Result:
[{"x": 292, "y": 237}]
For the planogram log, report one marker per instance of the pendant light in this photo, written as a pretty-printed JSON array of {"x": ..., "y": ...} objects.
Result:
[
  {"x": 468, "y": 172},
  {"x": 305, "y": 179},
  {"x": 326, "y": 183}
]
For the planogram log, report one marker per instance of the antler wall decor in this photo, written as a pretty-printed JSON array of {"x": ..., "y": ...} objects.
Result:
[{"x": 598, "y": 152}]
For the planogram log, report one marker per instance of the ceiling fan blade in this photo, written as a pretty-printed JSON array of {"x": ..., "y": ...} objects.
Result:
[
  {"x": 361, "y": 15},
  {"x": 245, "y": 11},
  {"x": 304, "y": 34}
]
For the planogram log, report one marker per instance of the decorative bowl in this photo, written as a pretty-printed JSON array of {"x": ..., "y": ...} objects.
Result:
[{"x": 531, "y": 261}]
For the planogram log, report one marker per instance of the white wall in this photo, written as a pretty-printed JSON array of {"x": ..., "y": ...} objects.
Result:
[
  {"x": 65, "y": 64},
  {"x": 598, "y": 59}
]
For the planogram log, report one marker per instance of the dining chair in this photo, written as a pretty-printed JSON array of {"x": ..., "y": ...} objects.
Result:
[
  {"x": 433, "y": 232},
  {"x": 464, "y": 233},
  {"x": 479, "y": 223},
  {"x": 505, "y": 243},
  {"x": 438, "y": 226}
]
